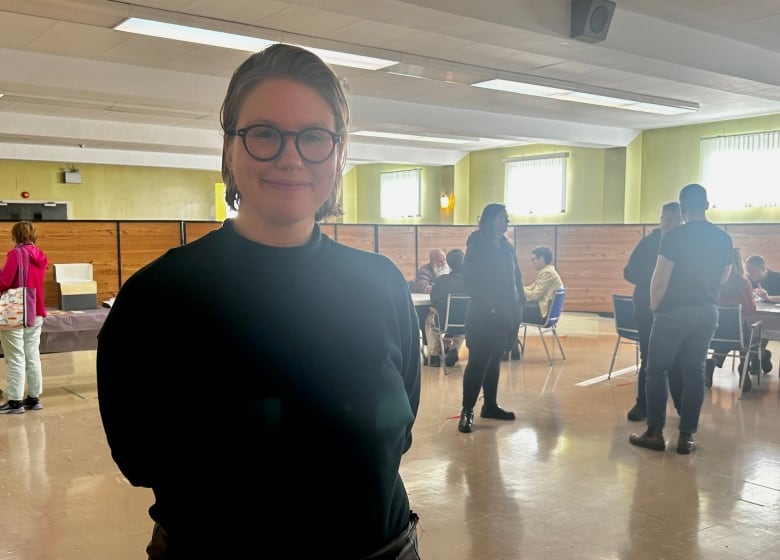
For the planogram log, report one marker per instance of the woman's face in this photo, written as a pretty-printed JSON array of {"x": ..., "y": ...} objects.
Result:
[
  {"x": 287, "y": 190},
  {"x": 500, "y": 223}
]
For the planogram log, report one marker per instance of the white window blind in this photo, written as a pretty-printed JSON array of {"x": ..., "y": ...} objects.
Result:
[
  {"x": 535, "y": 185},
  {"x": 741, "y": 171},
  {"x": 399, "y": 194}
]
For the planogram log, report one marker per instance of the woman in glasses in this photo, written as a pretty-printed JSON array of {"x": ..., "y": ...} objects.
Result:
[{"x": 279, "y": 394}]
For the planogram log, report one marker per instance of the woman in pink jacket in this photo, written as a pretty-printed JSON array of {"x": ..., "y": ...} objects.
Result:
[{"x": 21, "y": 347}]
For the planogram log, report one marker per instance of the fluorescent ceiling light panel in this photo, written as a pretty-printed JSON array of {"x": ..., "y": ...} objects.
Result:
[
  {"x": 414, "y": 137},
  {"x": 521, "y": 87},
  {"x": 240, "y": 42},
  {"x": 576, "y": 93}
]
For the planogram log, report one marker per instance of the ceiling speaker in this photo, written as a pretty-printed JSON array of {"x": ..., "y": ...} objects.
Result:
[{"x": 590, "y": 19}]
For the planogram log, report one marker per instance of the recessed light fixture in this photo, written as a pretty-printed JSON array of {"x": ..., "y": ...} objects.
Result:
[
  {"x": 202, "y": 36},
  {"x": 567, "y": 91},
  {"x": 414, "y": 137}
]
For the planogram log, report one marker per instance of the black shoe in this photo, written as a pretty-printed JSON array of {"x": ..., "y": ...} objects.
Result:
[
  {"x": 32, "y": 403},
  {"x": 505, "y": 357},
  {"x": 652, "y": 439},
  {"x": 466, "y": 420},
  {"x": 516, "y": 354},
  {"x": 709, "y": 369},
  {"x": 766, "y": 361},
  {"x": 637, "y": 414},
  {"x": 685, "y": 444},
  {"x": 434, "y": 361},
  {"x": 496, "y": 413},
  {"x": 451, "y": 357},
  {"x": 12, "y": 407}
]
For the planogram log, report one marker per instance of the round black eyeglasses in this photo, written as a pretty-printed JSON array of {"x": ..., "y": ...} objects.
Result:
[{"x": 264, "y": 142}]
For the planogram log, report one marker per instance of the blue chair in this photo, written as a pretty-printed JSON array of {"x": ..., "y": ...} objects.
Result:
[
  {"x": 549, "y": 325},
  {"x": 626, "y": 327}
]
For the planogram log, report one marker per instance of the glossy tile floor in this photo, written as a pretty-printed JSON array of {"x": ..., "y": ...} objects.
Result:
[{"x": 560, "y": 482}]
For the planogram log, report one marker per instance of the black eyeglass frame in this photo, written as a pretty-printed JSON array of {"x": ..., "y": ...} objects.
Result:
[{"x": 283, "y": 134}]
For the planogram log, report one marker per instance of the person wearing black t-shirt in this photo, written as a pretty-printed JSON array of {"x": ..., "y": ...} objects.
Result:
[{"x": 694, "y": 260}]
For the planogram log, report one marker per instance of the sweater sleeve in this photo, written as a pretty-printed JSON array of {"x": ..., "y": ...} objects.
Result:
[{"x": 8, "y": 276}]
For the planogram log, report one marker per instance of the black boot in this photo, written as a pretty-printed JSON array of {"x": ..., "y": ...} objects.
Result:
[
  {"x": 466, "y": 420},
  {"x": 709, "y": 369},
  {"x": 653, "y": 439},
  {"x": 685, "y": 443},
  {"x": 766, "y": 361},
  {"x": 497, "y": 413},
  {"x": 638, "y": 413}
]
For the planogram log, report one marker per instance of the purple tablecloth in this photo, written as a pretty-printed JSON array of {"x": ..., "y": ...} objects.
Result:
[{"x": 66, "y": 331}]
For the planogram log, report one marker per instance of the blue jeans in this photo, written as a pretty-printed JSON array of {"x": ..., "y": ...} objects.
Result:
[{"x": 683, "y": 336}]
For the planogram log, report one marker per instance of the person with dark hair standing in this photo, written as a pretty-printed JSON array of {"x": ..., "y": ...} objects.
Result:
[
  {"x": 494, "y": 283},
  {"x": 309, "y": 351},
  {"x": 693, "y": 262},
  {"x": 21, "y": 347},
  {"x": 639, "y": 271}
]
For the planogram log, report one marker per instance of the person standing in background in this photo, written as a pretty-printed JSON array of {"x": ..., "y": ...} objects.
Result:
[
  {"x": 693, "y": 262},
  {"x": 639, "y": 271},
  {"x": 494, "y": 283},
  {"x": 21, "y": 347},
  {"x": 310, "y": 350}
]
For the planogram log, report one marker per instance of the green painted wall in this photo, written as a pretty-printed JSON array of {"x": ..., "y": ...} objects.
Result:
[
  {"x": 632, "y": 201},
  {"x": 585, "y": 184},
  {"x": 670, "y": 160},
  {"x": 114, "y": 192},
  {"x": 461, "y": 173},
  {"x": 435, "y": 181},
  {"x": 349, "y": 197}
]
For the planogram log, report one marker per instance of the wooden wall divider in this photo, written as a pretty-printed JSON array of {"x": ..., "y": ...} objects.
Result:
[{"x": 589, "y": 258}]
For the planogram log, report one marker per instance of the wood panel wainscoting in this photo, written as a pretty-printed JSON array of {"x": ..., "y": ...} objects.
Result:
[{"x": 589, "y": 258}]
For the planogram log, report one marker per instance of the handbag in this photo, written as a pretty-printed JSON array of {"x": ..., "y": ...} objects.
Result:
[{"x": 17, "y": 305}]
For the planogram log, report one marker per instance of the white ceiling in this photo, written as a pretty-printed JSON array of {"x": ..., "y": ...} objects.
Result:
[{"x": 77, "y": 91}]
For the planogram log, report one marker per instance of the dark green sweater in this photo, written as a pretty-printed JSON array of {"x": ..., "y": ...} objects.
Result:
[{"x": 261, "y": 390}]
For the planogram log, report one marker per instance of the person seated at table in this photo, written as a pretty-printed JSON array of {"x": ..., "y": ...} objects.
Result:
[
  {"x": 446, "y": 284},
  {"x": 765, "y": 282},
  {"x": 766, "y": 288},
  {"x": 423, "y": 283},
  {"x": 428, "y": 273},
  {"x": 540, "y": 294},
  {"x": 736, "y": 290}
]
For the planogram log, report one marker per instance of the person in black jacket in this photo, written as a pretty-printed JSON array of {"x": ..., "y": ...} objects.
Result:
[
  {"x": 639, "y": 271},
  {"x": 308, "y": 351},
  {"x": 494, "y": 283}
]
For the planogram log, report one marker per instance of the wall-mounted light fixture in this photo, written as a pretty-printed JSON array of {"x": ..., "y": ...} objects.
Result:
[{"x": 446, "y": 201}]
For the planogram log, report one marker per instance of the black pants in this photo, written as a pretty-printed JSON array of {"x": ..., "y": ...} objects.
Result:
[
  {"x": 644, "y": 322},
  {"x": 402, "y": 547},
  {"x": 482, "y": 371}
]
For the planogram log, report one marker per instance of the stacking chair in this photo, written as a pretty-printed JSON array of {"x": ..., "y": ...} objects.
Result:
[
  {"x": 626, "y": 327},
  {"x": 454, "y": 323},
  {"x": 549, "y": 325},
  {"x": 729, "y": 338}
]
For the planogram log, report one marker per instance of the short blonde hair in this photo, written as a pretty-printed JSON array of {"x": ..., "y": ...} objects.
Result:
[{"x": 24, "y": 232}]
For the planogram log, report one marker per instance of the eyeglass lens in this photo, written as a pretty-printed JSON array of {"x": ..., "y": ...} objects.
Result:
[{"x": 314, "y": 145}]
